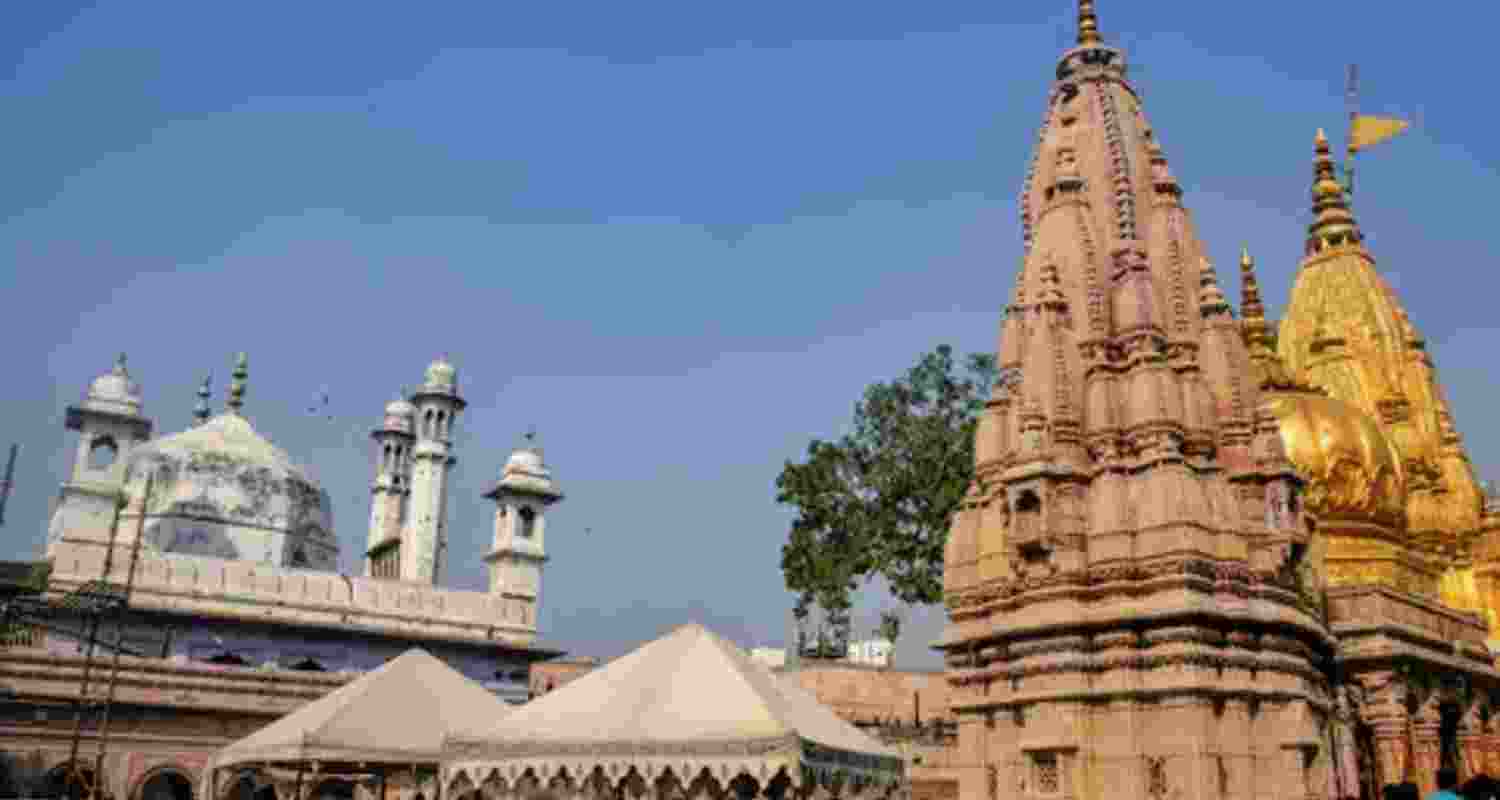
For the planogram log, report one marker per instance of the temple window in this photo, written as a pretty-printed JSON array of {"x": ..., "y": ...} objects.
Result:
[
  {"x": 1028, "y": 516},
  {"x": 1046, "y": 778},
  {"x": 102, "y": 452}
]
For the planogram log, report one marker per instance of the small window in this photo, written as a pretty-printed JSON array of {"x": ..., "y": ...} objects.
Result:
[
  {"x": 102, "y": 453},
  {"x": 528, "y": 522},
  {"x": 299, "y": 557},
  {"x": 1048, "y": 781}
]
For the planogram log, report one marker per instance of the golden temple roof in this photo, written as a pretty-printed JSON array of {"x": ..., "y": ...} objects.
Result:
[
  {"x": 1353, "y": 473},
  {"x": 1346, "y": 332}
]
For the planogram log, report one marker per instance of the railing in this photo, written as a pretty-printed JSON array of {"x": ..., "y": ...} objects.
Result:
[{"x": 22, "y": 635}]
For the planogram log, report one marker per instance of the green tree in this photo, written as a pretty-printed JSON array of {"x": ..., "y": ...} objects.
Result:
[
  {"x": 890, "y": 626},
  {"x": 878, "y": 501}
]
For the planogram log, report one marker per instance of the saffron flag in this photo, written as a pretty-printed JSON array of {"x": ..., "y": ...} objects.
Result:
[{"x": 1366, "y": 130}]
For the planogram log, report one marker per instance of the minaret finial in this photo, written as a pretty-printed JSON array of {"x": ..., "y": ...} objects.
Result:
[
  {"x": 237, "y": 385},
  {"x": 1088, "y": 24},
  {"x": 120, "y": 364},
  {"x": 1333, "y": 222},
  {"x": 201, "y": 412},
  {"x": 530, "y": 437}
]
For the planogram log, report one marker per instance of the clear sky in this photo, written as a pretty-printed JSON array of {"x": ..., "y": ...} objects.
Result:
[{"x": 677, "y": 237}]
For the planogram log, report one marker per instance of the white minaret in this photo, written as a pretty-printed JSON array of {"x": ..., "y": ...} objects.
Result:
[
  {"x": 522, "y": 497},
  {"x": 110, "y": 424},
  {"x": 425, "y": 533},
  {"x": 394, "y": 440}
]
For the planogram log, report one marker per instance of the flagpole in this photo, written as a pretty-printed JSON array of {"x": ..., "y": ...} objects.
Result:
[{"x": 1351, "y": 97}]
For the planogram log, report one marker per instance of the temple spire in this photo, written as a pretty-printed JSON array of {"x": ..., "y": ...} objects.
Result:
[
  {"x": 1252, "y": 309},
  {"x": 1333, "y": 222},
  {"x": 237, "y": 385},
  {"x": 1088, "y": 24}
]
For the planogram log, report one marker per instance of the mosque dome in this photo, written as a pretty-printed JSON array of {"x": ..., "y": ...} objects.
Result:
[
  {"x": 1353, "y": 472},
  {"x": 222, "y": 490},
  {"x": 114, "y": 392}
]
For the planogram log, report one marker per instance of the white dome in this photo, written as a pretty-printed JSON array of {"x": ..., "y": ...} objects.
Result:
[
  {"x": 441, "y": 376},
  {"x": 525, "y": 472},
  {"x": 400, "y": 416},
  {"x": 114, "y": 392},
  {"x": 222, "y": 490},
  {"x": 527, "y": 460}
]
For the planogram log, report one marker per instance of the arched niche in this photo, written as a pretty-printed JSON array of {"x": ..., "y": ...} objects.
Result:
[
  {"x": 65, "y": 782},
  {"x": 102, "y": 453},
  {"x": 164, "y": 783},
  {"x": 332, "y": 789},
  {"x": 250, "y": 785}
]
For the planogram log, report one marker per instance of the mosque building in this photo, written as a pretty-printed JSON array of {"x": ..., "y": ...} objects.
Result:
[
  {"x": 238, "y": 612},
  {"x": 1208, "y": 554}
]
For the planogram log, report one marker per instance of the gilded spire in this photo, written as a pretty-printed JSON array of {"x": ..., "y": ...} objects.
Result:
[
  {"x": 201, "y": 412},
  {"x": 1333, "y": 222},
  {"x": 237, "y": 385},
  {"x": 1088, "y": 24}
]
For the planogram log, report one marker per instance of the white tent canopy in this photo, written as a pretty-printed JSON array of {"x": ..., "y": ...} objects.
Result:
[
  {"x": 687, "y": 702},
  {"x": 397, "y": 713}
]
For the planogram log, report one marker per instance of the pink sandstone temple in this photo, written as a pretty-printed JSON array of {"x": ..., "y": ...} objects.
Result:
[{"x": 1207, "y": 554}]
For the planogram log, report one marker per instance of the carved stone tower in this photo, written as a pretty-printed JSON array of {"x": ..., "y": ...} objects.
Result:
[
  {"x": 110, "y": 424},
  {"x": 425, "y": 533},
  {"x": 1124, "y": 582},
  {"x": 391, "y": 490},
  {"x": 522, "y": 496}
]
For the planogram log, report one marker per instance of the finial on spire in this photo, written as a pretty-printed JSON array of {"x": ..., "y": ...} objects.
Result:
[
  {"x": 1211, "y": 300},
  {"x": 1333, "y": 222},
  {"x": 120, "y": 365},
  {"x": 1252, "y": 310},
  {"x": 237, "y": 385},
  {"x": 530, "y": 437},
  {"x": 1088, "y": 24},
  {"x": 201, "y": 412}
]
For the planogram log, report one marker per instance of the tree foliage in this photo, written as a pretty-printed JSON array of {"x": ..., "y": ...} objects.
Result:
[{"x": 878, "y": 501}]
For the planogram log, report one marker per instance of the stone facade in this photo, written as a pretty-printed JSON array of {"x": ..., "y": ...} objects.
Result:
[{"x": 1185, "y": 568}]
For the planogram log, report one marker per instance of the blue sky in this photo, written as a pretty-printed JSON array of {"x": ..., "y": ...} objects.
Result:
[{"x": 678, "y": 238}]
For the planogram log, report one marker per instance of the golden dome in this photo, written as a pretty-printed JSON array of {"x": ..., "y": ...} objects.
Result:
[{"x": 1353, "y": 472}]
